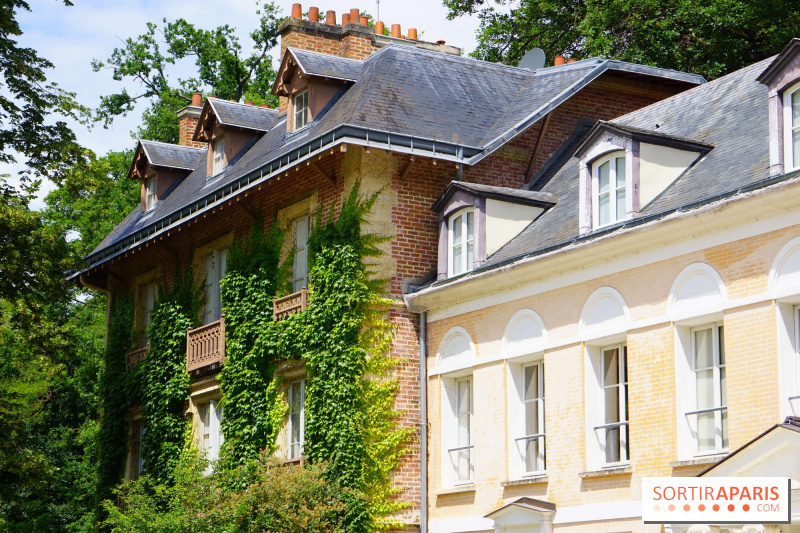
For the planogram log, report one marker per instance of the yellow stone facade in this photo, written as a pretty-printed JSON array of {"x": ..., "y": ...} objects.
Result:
[{"x": 751, "y": 330}]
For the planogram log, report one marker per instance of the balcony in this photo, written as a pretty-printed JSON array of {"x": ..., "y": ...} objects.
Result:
[
  {"x": 205, "y": 345},
  {"x": 289, "y": 305},
  {"x": 137, "y": 356}
]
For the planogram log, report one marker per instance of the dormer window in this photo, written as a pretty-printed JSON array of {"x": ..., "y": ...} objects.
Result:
[
  {"x": 791, "y": 120},
  {"x": 608, "y": 186},
  {"x": 301, "y": 110},
  {"x": 462, "y": 241},
  {"x": 150, "y": 195},
  {"x": 219, "y": 155}
]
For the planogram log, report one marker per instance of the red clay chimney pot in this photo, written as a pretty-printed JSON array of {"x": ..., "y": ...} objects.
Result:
[
  {"x": 364, "y": 21},
  {"x": 330, "y": 18},
  {"x": 197, "y": 99},
  {"x": 313, "y": 14},
  {"x": 249, "y": 103},
  {"x": 345, "y": 19},
  {"x": 559, "y": 60},
  {"x": 354, "y": 13},
  {"x": 379, "y": 27},
  {"x": 265, "y": 105},
  {"x": 572, "y": 60},
  {"x": 396, "y": 31},
  {"x": 297, "y": 11},
  {"x": 440, "y": 41},
  {"x": 237, "y": 101},
  {"x": 412, "y": 34}
]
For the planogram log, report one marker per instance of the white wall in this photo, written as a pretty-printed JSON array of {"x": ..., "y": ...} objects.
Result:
[
  {"x": 505, "y": 220},
  {"x": 659, "y": 166}
]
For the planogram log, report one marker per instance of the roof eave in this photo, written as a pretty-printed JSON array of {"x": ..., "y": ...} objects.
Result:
[
  {"x": 780, "y": 62},
  {"x": 654, "y": 138}
]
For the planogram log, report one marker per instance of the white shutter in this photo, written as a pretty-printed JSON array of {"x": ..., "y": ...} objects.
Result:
[
  {"x": 211, "y": 284},
  {"x": 300, "y": 230},
  {"x": 213, "y": 430}
]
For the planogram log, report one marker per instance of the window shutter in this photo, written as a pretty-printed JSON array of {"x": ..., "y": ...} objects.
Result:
[{"x": 211, "y": 283}]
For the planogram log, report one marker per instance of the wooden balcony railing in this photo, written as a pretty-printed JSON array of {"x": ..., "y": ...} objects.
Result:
[
  {"x": 289, "y": 305},
  {"x": 137, "y": 356},
  {"x": 205, "y": 345}
]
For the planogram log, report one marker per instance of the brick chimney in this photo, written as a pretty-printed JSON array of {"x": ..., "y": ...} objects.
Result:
[{"x": 187, "y": 120}]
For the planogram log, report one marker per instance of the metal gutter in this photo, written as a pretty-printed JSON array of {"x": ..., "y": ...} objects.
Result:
[
  {"x": 762, "y": 184},
  {"x": 423, "y": 425},
  {"x": 344, "y": 134}
]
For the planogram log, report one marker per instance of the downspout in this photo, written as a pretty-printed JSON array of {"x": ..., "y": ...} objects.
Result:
[{"x": 423, "y": 426}]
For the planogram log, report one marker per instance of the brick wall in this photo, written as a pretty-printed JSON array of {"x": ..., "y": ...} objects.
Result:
[{"x": 187, "y": 123}]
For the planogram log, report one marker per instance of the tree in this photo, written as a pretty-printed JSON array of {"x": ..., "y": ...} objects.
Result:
[
  {"x": 223, "y": 67},
  {"x": 710, "y": 38},
  {"x": 28, "y": 103}
]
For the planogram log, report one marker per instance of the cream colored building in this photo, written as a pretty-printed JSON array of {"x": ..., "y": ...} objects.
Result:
[{"x": 645, "y": 321}]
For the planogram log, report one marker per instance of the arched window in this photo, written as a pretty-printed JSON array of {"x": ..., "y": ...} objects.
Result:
[
  {"x": 609, "y": 189},
  {"x": 791, "y": 127},
  {"x": 461, "y": 241}
]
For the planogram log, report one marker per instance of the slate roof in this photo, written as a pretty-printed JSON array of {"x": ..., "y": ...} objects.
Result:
[
  {"x": 326, "y": 65},
  {"x": 171, "y": 155},
  {"x": 729, "y": 114},
  {"x": 407, "y": 99},
  {"x": 521, "y": 196},
  {"x": 243, "y": 115}
]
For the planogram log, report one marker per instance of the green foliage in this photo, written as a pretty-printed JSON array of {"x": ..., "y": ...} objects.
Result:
[
  {"x": 165, "y": 383},
  {"x": 711, "y": 38},
  {"x": 253, "y": 277},
  {"x": 114, "y": 397},
  {"x": 269, "y": 497},
  {"x": 223, "y": 68}
]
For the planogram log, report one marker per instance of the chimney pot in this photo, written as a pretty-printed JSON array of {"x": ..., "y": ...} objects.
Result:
[
  {"x": 572, "y": 60},
  {"x": 559, "y": 60},
  {"x": 412, "y": 34},
  {"x": 265, "y": 106},
  {"x": 379, "y": 27},
  {"x": 313, "y": 14},
  {"x": 345, "y": 19},
  {"x": 249, "y": 103},
  {"x": 297, "y": 11},
  {"x": 363, "y": 20},
  {"x": 396, "y": 31},
  {"x": 354, "y": 14},
  {"x": 440, "y": 41},
  {"x": 330, "y": 18},
  {"x": 197, "y": 99},
  {"x": 237, "y": 101}
]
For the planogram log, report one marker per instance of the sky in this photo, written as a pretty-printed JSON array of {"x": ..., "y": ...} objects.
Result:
[{"x": 70, "y": 37}]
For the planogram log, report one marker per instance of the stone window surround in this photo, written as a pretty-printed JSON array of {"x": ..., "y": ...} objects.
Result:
[
  {"x": 787, "y": 78},
  {"x": 458, "y": 201}
]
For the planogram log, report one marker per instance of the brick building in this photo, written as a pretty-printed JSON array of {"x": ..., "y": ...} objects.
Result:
[
  {"x": 642, "y": 323},
  {"x": 395, "y": 114}
]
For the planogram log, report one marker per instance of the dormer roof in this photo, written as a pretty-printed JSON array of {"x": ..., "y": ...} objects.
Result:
[
  {"x": 163, "y": 155},
  {"x": 218, "y": 112},
  {"x": 780, "y": 62},
  {"x": 506, "y": 194},
  {"x": 602, "y": 127},
  {"x": 314, "y": 64}
]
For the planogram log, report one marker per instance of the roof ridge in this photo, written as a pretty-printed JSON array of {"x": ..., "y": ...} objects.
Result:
[
  {"x": 170, "y": 144},
  {"x": 293, "y": 48},
  {"x": 458, "y": 59},
  {"x": 243, "y": 104}
]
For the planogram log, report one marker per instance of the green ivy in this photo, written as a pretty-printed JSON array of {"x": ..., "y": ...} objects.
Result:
[
  {"x": 165, "y": 383},
  {"x": 116, "y": 398}
]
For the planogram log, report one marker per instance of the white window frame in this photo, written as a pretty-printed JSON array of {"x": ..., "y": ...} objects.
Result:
[
  {"x": 150, "y": 199},
  {"x": 718, "y": 410},
  {"x": 301, "y": 110},
  {"x": 149, "y": 294},
  {"x": 219, "y": 156},
  {"x": 461, "y": 454},
  {"x": 614, "y": 217},
  {"x": 211, "y": 415},
  {"x": 789, "y": 131},
  {"x": 300, "y": 272},
  {"x": 291, "y": 453},
  {"x": 621, "y": 425},
  {"x": 467, "y": 242},
  {"x": 136, "y": 460},
  {"x": 215, "y": 268},
  {"x": 522, "y": 441}
]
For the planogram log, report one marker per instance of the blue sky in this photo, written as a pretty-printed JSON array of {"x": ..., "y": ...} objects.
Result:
[{"x": 71, "y": 37}]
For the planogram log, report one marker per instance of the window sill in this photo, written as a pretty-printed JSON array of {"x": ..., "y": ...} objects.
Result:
[
  {"x": 456, "y": 490},
  {"x": 706, "y": 460},
  {"x": 616, "y": 471},
  {"x": 296, "y": 461},
  {"x": 532, "y": 480}
]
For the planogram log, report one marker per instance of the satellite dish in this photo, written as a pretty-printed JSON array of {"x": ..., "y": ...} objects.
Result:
[{"x": 533, "y": 59}]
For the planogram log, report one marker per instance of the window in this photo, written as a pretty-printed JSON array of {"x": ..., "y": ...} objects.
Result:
[
  {"x": 150, "y": 196},
  {"x": 148, "y": 302},
  {"x": 461, "y": 239},
  {"x": 608, "y": 190},
  {"x": 461, "y": 454},
  {"x": 135, "y": 457},
  {"x": 791, "y": 120},
  {"x": 300, "y": 229},
  {"x": 532, "y": 443},
  {"x": 711, "y": 414},
  {"x": 219, "y": 156},
  {"x": 614, "y": 430},
  {"x": 301, "y": 111},
  {"x": 211, "y": 437},
  {"x": 297, "y": 418},
  {"x": 215, "y": 266}
]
